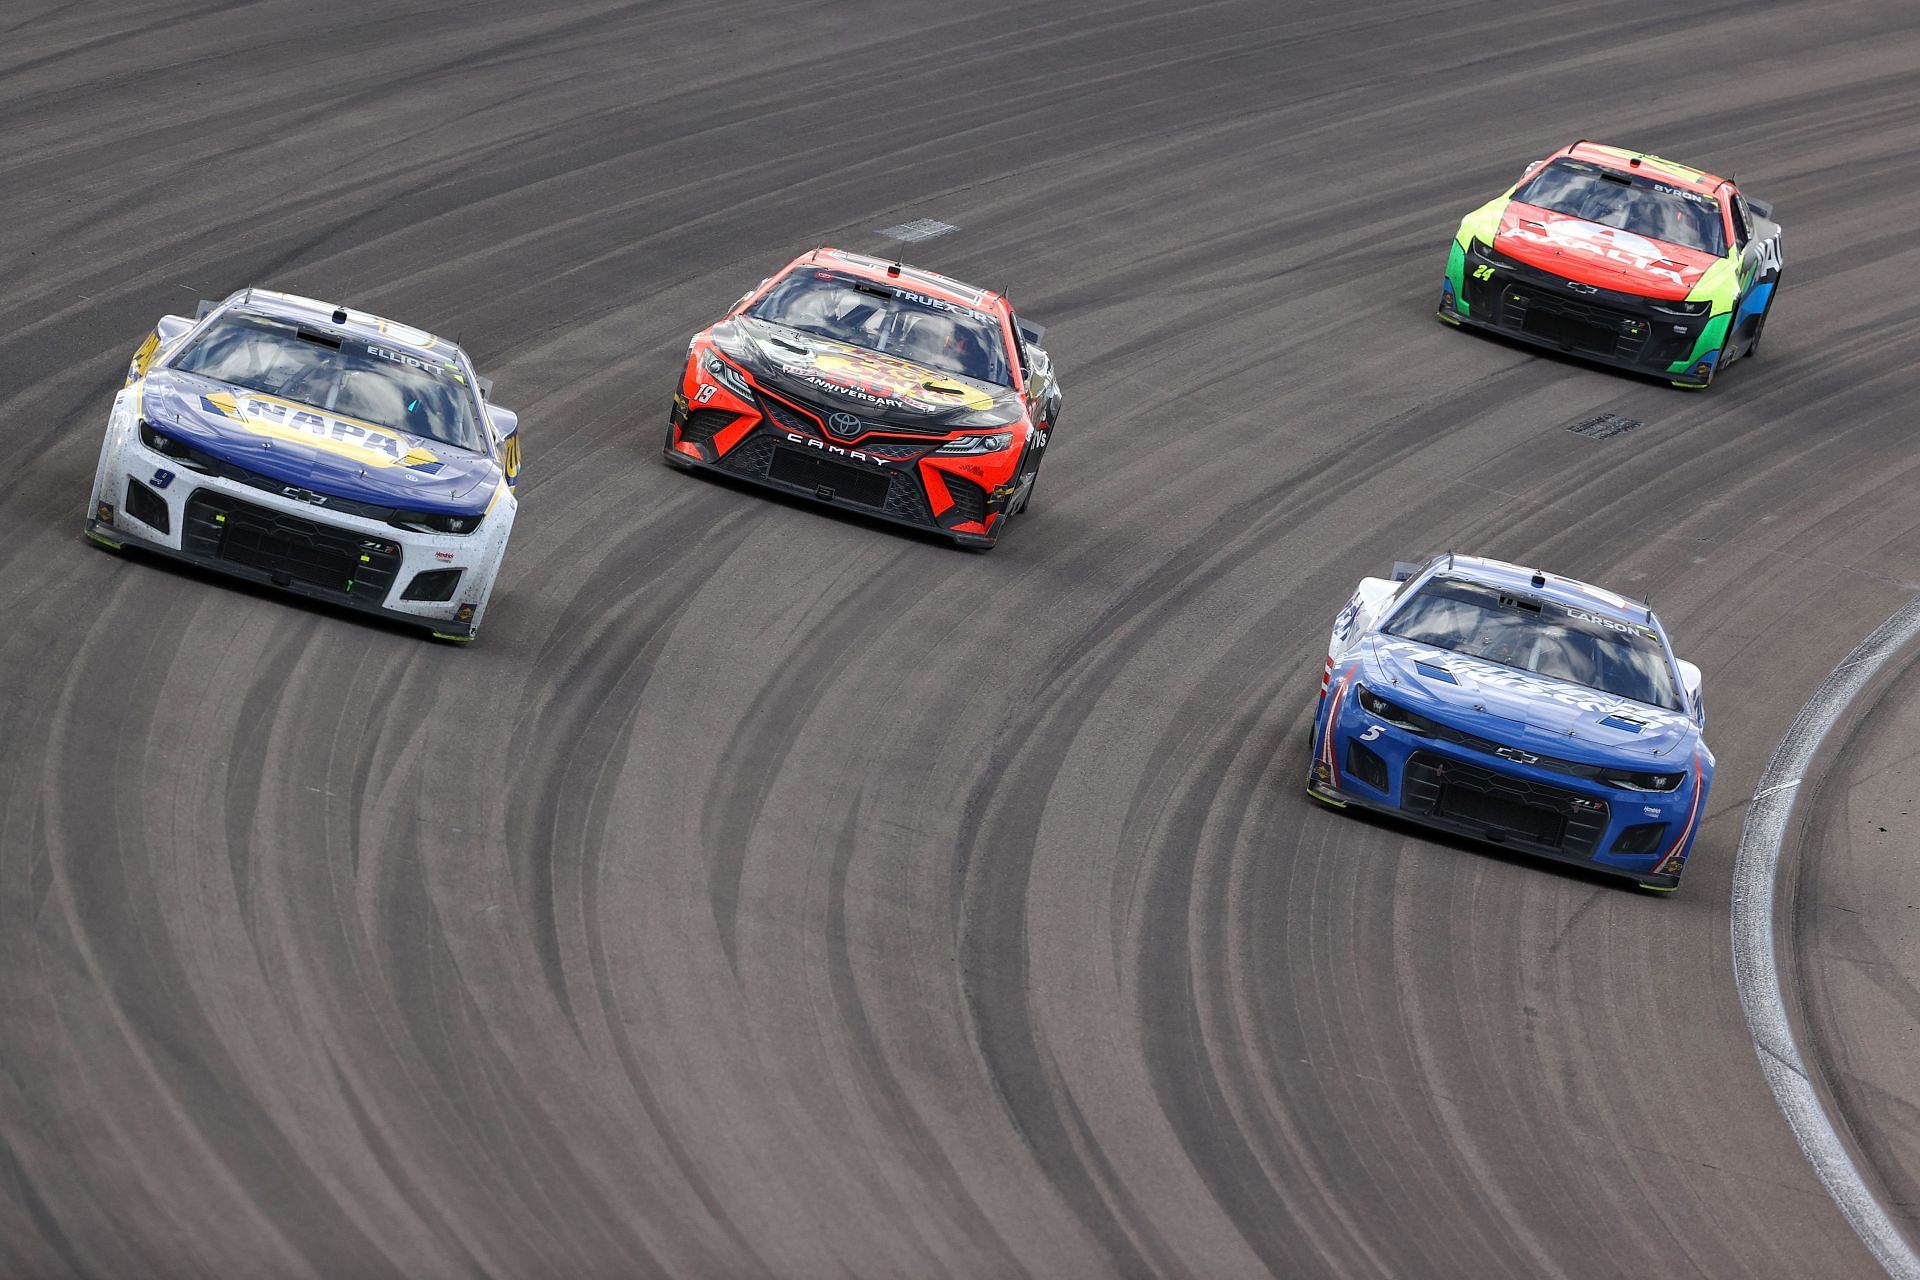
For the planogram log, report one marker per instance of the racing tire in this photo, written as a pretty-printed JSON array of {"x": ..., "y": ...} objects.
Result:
[{"x": 1760, "y": 325}]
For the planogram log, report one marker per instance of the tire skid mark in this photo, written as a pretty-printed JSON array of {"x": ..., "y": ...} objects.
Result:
[
  {"x": 895, "y": 1105},
  {"x": 992, "y": 863},
  {"x": 581, "y": 726}
]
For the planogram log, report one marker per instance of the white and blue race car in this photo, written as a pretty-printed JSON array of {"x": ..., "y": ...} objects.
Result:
[
  {"x": 328, "y": 452},
  {"x": 1536, "y": 713}
]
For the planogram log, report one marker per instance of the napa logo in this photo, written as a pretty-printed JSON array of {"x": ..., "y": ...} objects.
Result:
[{"x": 363, "y": 442}]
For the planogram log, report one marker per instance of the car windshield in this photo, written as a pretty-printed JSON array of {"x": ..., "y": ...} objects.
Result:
[
  {"x": 1542, "y": 636},
  {"x": 366, "y": 381},
  {"x": 1627, "y": 202},
  {"x": 929, "y": 331}
]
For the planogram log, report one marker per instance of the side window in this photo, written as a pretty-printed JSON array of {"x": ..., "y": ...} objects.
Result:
[
  {"x": 1019, "y": 347},
  {"x": 1742, "y": 221}
]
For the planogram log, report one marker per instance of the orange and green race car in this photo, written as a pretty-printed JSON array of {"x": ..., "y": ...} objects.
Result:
[
  {"x": 1620, "y": 257},
  {"x": 887, "y": 390}
]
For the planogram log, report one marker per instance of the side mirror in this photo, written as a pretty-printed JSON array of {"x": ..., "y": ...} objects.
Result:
[
  {"x": 1033, "y": 333},
  {"x": 1760, "y": 208},
  {"x": 1404, "y": 569},
  {"x": 206, "y": 305},
  {"x": 505, "y": 426},
  {"x": 1690, "y": 683},
  {"x": 171, "y": 327}
]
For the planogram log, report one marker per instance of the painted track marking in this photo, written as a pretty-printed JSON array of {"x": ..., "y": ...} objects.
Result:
[{"x": 1754, "y": 970}]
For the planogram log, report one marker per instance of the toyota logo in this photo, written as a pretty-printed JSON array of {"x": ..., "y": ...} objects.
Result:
[{"x": 845, "y": 425}]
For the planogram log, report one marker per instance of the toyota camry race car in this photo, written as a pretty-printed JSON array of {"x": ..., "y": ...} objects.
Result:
[
  {"x": 1540, "y": 714},
  {"x": 891, "y": 391},
  {"x": 327, "y": 452},
  {"x": 1620, "y": 257}
]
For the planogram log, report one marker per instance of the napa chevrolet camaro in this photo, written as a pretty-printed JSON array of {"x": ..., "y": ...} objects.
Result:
[
  {"x": 873, "y": 386},
  {"x": 327, "y": 452},
  {"x": 1540, "y": 714},
  {"x": 1623, "y": 258}
]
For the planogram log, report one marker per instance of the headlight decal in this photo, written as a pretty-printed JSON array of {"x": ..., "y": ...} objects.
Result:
[{"x": 964, "y": 446}]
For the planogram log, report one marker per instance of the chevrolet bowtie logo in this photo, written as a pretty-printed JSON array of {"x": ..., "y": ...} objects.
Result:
[
  {"x": 1518, "y": 757},
  {"x": 303, "y": 495}
]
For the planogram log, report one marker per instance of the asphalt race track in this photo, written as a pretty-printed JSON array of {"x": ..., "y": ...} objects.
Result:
[{"x": 769, "y": 893}]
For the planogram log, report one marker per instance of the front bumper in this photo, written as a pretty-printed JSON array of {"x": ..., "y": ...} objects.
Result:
[
  {"x": 1542, "y": 812},
  {"x": 1488, "y": 290},
  {"x": 893, "y": 477},
  {"x": 242, "y": 526}
]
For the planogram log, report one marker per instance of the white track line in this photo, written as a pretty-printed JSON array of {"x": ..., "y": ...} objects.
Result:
[{"x": 1754, "y": 969}]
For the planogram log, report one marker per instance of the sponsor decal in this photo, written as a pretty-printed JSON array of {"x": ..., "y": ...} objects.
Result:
[
  {"x": 794, "y": 437},
  {"x": 1343, "y": 624},
  {"x": 446, "y": 556},
  {"x": 412, "y": 362},
  {"x": 884, "y": 381},
  {"x": 1768, "y": 252},
  {"x": 1610, "y": 244},
  {"x": 282, "y": 420}
]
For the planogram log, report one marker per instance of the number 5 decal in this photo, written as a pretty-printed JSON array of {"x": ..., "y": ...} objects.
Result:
[{"x": 1373, "y": 731}]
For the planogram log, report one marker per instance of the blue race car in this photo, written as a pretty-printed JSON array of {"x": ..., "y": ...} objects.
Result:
[{"x": 1537, "y": 713}]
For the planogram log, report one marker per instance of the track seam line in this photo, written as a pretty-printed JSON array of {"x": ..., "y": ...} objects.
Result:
[{"x": 1755, "y": 972}]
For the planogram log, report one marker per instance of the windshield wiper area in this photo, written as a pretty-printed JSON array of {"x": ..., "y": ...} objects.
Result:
[{"x": 326, "y": 340}]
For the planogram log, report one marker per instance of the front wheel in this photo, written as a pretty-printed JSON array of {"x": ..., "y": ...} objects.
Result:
[{"x": 1760, "y": 325}]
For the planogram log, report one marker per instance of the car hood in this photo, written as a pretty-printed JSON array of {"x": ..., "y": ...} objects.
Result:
[
  {"x": 1517, "y": 708},
  {"x": 862, "y": 381},
  {"x": 1604, "y": 257},
  {"x": 311, "y": 449}
]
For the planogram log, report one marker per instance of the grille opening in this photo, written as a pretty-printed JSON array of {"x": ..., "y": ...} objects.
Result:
[
  {"x": 1493, "y": 805},
  {"x": 1642, "y": 838},
  {"x": 435, "y": 586},
  {"x": 287, "y": 547},
  {"x": 846, "y": 483},
  {"x": 148, "y": 507},
  {"x": 969, "y": 500},
  {"x": 1502, "y": 813},
  {"x": 1363, "y": 764},
  {"x": 702, "y": 425}
]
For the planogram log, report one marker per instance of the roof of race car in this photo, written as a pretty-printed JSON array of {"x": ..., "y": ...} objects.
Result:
[
  {"x": 359, "y": 324},
  {"x": 883, "y": 271},
  {"x": 1566, "y": 591},
  {"x": 1682, "y": 176}
]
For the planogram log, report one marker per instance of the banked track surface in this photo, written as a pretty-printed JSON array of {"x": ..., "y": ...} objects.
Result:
[{"x": 770, "y": 894}]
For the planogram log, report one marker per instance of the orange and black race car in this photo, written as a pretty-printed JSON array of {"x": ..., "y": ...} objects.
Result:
[{"x": 871, "y": 385}]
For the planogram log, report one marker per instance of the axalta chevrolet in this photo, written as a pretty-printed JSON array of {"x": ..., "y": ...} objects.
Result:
[
  {"x": 889, "y": 390},
  {"x": 1621, "y": 257},
  {"x": 328, "y": 452}
]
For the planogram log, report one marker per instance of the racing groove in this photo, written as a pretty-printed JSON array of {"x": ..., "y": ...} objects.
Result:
[{"x": 770, "y": 894}]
